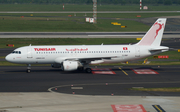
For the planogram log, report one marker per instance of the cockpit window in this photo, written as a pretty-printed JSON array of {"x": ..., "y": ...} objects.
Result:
[{"x": 16, "y": 52}]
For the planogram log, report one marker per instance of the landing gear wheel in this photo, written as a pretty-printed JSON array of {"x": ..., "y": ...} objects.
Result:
[
  {"x": 88, "y": 70},
  {"x": 28, "y": 70}
]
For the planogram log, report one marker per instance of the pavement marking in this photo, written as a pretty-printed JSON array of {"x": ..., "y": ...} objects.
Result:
[
  {"x": 128, "y": 108},
  {"x": 137, "y": 87},
  {"x": 159, "y": 82},
  {"x": 102, "y": 71},
  {"x": 76, "y": 87},
  {"x": 158, "y": 108},
  {"x": 123, "y": 71},
  {"x": 144, "y": 71}
]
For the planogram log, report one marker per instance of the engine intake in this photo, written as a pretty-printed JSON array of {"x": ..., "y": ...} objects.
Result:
[{"x": 70, "y": 65}]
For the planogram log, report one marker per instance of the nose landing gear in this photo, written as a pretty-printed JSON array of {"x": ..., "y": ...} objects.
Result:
[{"x": 28, "y": 68}]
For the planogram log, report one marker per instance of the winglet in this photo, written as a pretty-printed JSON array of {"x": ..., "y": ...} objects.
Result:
[{"x": 154, "y": 36}]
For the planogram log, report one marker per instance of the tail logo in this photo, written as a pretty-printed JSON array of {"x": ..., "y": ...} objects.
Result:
[
  {"x": 160, "y": 27},
  {"x": 153, "y": 33}
]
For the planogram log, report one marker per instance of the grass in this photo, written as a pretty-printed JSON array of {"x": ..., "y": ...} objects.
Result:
[
  {"x": 176, "y": 89},
  {"x": 5, "y": 63},
  {"x": 171, "y": 54},
  {"x": 82, "y": 15},
  {"x": 83, "y": 7},
  {"x": 37, "y": 24},
  {"x": 62, "y": 41},
  {"x": 2, "y": 57},
  {"x": 62, "y": 23}
]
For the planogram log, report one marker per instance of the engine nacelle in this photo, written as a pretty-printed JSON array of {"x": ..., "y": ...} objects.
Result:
[
  {"x": 70, "y": 65},
  {"x": 56, "y": 65}
]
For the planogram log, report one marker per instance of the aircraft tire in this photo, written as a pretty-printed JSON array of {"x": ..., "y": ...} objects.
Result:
[
  {"x": 88, "y": 70},
  {"x": 28, "y": 70}
]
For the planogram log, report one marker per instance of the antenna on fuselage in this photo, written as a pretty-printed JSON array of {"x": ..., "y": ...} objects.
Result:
[{"x": 30, "y": 45}]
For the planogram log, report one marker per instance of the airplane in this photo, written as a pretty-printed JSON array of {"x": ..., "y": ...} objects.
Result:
[{"x": 74, "y": 57}]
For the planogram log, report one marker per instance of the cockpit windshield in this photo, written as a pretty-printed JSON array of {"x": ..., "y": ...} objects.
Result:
[{"x": 16, "y": 52}]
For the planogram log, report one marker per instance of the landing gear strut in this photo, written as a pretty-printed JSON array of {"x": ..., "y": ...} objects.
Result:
[{"x": 28, "y": 68}]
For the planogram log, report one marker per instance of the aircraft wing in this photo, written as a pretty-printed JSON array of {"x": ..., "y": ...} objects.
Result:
[{"x": 88, "y": 59}]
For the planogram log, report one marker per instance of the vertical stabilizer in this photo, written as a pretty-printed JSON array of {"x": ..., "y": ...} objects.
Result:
[{"x": 154, "y": 36}]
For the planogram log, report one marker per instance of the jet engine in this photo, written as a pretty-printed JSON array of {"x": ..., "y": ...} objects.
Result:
[
  {"x": 56, "y": 65},
  {"x": 70, "y": 65}
]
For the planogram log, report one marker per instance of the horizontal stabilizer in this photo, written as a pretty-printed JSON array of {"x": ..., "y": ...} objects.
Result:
[{"x": 159, "y": 49}]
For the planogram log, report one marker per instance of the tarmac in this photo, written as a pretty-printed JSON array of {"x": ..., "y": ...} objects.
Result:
[
  {"x": 46, "y": 89},
  {"x": 58, "y": 102},
  {"x": 171, "y": 34}
]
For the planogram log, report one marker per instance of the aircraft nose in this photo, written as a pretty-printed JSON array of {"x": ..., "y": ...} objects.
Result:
[{"x": 8, "y": 58}]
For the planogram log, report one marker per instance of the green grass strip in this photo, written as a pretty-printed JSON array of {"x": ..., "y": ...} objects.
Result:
[{"x": 176, "y": 89}]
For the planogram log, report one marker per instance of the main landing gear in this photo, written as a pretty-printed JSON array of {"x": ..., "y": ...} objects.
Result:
[
  {"x": 28, "y": 68},
  {"x": 88, "y": 70}
]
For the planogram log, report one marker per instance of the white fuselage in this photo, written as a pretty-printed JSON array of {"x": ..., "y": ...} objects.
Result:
[{"x": 58, "y": 54}]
